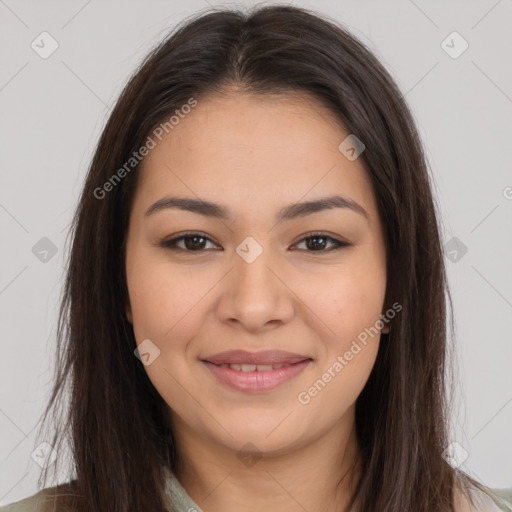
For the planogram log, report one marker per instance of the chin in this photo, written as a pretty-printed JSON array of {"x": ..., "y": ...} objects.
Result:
[
  {"x": 245, "y": 445},
  {"x": 269, "y": 437}
]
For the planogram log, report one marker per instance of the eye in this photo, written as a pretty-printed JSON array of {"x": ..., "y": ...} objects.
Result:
[
  {"x": 195, "y": 242},
  {"x": 318, "y": 241}
]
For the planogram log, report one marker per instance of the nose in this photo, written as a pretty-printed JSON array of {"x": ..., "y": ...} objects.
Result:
[{"x": 255, "y": 295}]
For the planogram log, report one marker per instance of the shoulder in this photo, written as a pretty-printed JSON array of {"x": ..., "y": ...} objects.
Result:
[
  {"x": 503, "y": 497},
  {"x": 471, "y": 499},
  {"x": 50, "y": 499},
  {"x": 34, "y": 503}
]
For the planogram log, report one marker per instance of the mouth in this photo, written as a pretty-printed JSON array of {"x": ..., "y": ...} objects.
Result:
[
  {"x": 253, "y": 367},
  {"x": 256, "y": 371}
]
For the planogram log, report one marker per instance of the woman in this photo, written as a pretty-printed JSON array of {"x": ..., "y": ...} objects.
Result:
[{"x": 254, "y": 312}]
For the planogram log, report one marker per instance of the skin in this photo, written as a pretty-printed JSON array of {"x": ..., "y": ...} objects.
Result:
[{"x": 255, "y": 155}]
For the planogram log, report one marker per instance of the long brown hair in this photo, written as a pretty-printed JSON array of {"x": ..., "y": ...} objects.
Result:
[{"x": 103, "y": 403}]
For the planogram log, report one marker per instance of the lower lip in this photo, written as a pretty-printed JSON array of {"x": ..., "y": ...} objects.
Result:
[{"x": 256, "y": 381}]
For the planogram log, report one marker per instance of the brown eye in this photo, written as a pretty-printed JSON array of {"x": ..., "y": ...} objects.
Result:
[
  {"x": 317, "y": 242},
  {"x": 193, "y": 242}
]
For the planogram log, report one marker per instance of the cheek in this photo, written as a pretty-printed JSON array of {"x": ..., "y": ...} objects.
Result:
[
  {"x": 351, "y": 307},
  {"x": 347, "y": 301},
  {"x": 162, "y": 299},
  {"x": 351, "y": 352},
  {"x": 338, "y": 384},
  {"x": 165, "y": 310}
]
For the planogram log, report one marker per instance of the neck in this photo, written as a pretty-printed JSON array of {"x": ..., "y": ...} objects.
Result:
[{"x": 318, "y": 476}]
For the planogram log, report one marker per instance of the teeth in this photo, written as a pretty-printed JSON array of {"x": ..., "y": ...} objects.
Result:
[{"x": 253, "y": 367}]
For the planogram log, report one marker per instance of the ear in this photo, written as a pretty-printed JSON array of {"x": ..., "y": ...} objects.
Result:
[
  {"x": 385, "y": 329},
  {"x": 129, "y": 315}
]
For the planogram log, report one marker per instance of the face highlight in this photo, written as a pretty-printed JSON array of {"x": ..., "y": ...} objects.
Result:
[{"x": 254, "y": 272}]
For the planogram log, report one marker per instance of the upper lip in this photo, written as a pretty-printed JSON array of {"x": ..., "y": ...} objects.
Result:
[{"x": 263, "y": 357}]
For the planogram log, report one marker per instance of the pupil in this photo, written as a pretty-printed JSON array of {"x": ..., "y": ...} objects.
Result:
[
  {"x": 194, "y": 241},
  {"x": 315, "y": 239}
]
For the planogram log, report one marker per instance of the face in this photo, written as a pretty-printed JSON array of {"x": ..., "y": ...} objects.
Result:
[{"x": 307, "y": 283}]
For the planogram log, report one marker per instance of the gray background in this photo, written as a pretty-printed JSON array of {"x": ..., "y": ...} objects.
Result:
[{"x": 52, "y": 111}]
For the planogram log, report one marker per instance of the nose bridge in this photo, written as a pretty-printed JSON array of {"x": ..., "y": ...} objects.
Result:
[
  {"x": 255, "y": 295},
  {"x": 252, "y": 275}
]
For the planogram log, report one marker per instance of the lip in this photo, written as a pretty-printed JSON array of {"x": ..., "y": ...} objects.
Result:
[{"x": 256, "y": 381}]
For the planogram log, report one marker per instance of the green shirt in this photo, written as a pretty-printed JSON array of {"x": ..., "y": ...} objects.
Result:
[{"x": 180, "y": 501}]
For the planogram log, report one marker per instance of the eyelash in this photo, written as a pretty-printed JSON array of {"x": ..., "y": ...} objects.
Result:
[{"x": 170, "y": 244}]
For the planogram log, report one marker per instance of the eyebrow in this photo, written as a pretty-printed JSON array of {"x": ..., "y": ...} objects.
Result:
[{"x": 292, "y": 211}]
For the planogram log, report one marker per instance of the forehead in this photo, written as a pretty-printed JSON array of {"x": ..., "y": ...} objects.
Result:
[
  {"x": 237, "y": 123},
  {"x": 250, "y": 150}
]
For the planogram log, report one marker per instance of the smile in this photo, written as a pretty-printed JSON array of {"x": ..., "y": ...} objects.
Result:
[
  {"x": 255, "y": 377},
  {"x": 253, "y": 367}
]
